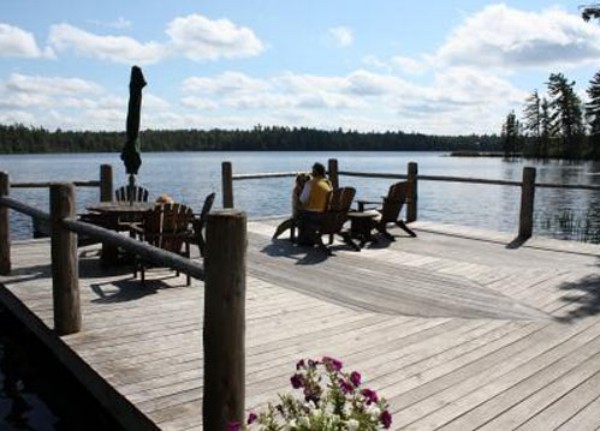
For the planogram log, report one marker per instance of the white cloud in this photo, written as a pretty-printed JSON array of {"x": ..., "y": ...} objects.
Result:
[
  {"x": 50, "y": 85},
  {"x": 120, "y": 49},
  {"x": 500, "y": 36},
  {"x": 15, "y": 42},
  {"x": 341, "y": 35},
  {"x": 227, "y": 82},
  {"x": 200, "y": 38},
  {"x": 409, "y": 65}
]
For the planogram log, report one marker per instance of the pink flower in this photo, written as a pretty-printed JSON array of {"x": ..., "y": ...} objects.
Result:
[
  {"x": 386, "y": 419},
  {"x": 297, "y": 381},
  {"x": 346, "y": 386},
  {"x": 332, "y": 364},
  {"x": 370, "y": 395},
  {"x": 252, "y": 418},
  {"x": 355, "y": 378}
]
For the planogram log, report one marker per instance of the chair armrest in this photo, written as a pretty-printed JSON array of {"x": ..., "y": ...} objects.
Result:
[{"x": 362, "y": 202}]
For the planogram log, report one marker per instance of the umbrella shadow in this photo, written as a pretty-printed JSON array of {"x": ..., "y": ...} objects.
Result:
[
  {"x": 302, "y": 254},
  {"x": 586, "y": 298}
]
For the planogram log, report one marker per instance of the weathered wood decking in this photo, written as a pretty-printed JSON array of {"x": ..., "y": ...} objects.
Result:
[{"x": 458, "y": 331}]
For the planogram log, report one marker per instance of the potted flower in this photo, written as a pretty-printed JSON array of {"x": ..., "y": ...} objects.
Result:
[{"x": 329, "y": 399}]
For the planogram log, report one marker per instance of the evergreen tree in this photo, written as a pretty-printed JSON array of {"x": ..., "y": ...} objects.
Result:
[
  {"x": 566, "y": 114},
  {"x": 532, "y": 127},
  {"x": 510, "y": 135},
  {"x": 592, "y": 113}
]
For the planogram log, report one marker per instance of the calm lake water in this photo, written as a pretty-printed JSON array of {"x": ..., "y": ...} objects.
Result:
[{"x": 190, "y": 176}]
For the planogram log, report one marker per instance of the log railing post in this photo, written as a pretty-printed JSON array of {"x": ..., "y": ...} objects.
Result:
[
  {"x": 224, "y": 319},
  {"x": 332, "y": 168},
  {"x": 411, "y": 204},
  {"x": 106, "y": 183},
  {"x": 65, "y": 271},
  {"x": 4, "y": 227},
  {"x": 527, "y": 203},
  {"x": 227, "y": 184}
]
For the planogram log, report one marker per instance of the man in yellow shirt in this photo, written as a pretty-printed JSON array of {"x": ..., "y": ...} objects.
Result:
[{"x": 314, "y": 202}]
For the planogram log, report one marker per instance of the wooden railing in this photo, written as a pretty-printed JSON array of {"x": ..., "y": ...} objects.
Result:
[
  {"x": 527, "y": 185},
  {"x": 223, "y": 272}
]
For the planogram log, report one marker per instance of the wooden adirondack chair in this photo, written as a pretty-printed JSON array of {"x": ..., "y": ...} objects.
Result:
[
  {"x": 390, "y": 209},
  {"x": 332, "y": 223},
  {"x": 124, "y": 193},
  {"x": 200, "y": 221},
  {"x": 168, "y": 227}
]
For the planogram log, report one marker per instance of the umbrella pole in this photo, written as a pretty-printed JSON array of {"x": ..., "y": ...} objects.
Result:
[{"x": 131, "y": 188}]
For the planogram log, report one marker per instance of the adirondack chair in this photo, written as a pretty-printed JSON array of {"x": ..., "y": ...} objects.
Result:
[
  {"x": 168, "y": 227},
  {"x": 124, "y": 194},
  {"x": 390, "y": 209},
  {"x": 200, "y": 221},
  {"x": 334, "y": 217}
]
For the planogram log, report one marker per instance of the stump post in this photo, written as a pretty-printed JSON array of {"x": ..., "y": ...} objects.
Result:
[
  {"x": 5, "y": 264},
  {"x": 224, "y": 319},
  {"x": 227, "y": 184},
  {"x": 411, "y": 204},
  {"x": 65, "y": 271},
  {"x": 106, "y": 183},
  {"x": 332, "y": 168},
  {"x": 527, "y": 202}
]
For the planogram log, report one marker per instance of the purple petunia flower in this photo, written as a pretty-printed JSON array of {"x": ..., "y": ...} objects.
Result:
[
  {"x": 355, "y": 378},
  {"x": 332, "y": 364},
  {"x": 386, "y": 419},
  {"x": 234, "y": 426},
  {"x": 346, "y": 386},
  {"x": 252, "y": 418},
  {"x": 300, "y": 364},
  {"x": 370, "y": 395},
  {"x": 297, "y": 381}
]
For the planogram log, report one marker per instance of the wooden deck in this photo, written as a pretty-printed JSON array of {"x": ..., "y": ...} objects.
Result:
[{"x": 457, "y": 330}]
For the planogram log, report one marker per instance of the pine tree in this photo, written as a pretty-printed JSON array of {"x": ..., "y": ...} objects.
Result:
[
  {"x": 592, "y": 113},
  {"x": 510, "y": 135},
  {"x": 565, "y": 114},
  {"x": 532, "y": 126}
]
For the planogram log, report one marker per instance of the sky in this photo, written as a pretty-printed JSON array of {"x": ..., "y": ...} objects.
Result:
[{"x": 438, "y": 67}]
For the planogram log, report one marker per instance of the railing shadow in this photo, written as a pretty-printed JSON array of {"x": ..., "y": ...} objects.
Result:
[
  {"x": 586, "y": 297},
  {"x": 127, "y": 290}
]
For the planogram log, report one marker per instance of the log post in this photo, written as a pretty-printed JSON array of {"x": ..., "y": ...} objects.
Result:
[
  {"x": 527, "y": 203},
  {"x": 4, "y": 227},
  {"x": 224, "y": 319},
  {"x": 106, "y": 183},
  {"x": 65, "y": 271},
  {"x": 227, "y": 184},
  {"x": 411, "y": 204},
  {"x": 332, "y": 168}
]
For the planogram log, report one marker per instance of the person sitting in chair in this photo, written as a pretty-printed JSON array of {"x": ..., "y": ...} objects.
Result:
[
  {"x": 301, "y": 180},
  {"x": 314, "y": 203}
]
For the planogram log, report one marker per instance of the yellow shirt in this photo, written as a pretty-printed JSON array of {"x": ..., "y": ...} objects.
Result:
[{"x": 317, "y": 195}]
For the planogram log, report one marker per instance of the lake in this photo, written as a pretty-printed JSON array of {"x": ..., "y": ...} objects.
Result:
[{"x": 189, "y": 176}]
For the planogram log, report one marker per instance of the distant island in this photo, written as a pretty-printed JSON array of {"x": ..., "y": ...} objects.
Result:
[{"x": 17, "y": 138}]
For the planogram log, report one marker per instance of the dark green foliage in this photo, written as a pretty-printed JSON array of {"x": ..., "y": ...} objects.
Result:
[
  {"x": 21, "y": 139},
  {"x": 592, "y": 113}
]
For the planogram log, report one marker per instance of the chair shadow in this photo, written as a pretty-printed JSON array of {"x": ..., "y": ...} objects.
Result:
[
  {"x": 589, "y": 302},
  {"x": 303, "y": 255},
  {"x": 128, "y": 290}
]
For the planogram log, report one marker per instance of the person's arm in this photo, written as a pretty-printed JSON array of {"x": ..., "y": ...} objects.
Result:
[{"x": 305, "y": 193}]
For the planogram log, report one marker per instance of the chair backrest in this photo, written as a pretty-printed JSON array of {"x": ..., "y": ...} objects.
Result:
[
  {"x": 201, "y": 220},
  {"x": 393, "y": 202},
  {"x": 167, "y": 226},
  {"x": 124, "y": 194},
  {"x": 339, "y": 203}
]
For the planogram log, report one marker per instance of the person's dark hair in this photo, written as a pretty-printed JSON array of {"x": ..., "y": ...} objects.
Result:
[{"x": 318, "y": 170}]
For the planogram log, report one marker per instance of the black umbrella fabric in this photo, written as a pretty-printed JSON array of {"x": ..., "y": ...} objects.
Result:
[{"x": 131, "y": 151}]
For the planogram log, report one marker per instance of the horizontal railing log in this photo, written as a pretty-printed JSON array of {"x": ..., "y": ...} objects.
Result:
[
  {"x": 47, "y": 184},
  {"x": 24, "y": 209},
  {"x": 264, "y": 175}
]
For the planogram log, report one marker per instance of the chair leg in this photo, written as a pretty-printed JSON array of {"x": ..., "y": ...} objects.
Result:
[
  {"x": 383, "y": 230},
  {"x": 322, "y": 246},
  {"x": 283, "y": 226},
  {"x": 402, "y": 225},
  {"x": 348, "y": 240},
  {"x": 201, "y": 245}
]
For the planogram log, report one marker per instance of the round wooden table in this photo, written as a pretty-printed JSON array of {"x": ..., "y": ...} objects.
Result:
[{"x": 361, "y": 224}]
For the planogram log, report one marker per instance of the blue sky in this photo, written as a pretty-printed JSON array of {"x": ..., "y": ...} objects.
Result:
[{"x": 435, "y": 67}]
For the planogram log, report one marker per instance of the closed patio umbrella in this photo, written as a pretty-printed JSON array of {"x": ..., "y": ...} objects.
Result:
[{"x": 131, "y": 150}]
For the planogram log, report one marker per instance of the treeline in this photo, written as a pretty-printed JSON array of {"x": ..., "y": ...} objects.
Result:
[
  {"x": 556, "y": 123},
  {"x": 21, "y": 139}
]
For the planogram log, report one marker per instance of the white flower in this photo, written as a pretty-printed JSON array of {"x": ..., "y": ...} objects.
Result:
[
  {"x": 352, "y": 425},
  {"x": 304, "y": 421},
  {"x": 290, "y": 426},
  {"x": 373, "y": 410}
]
